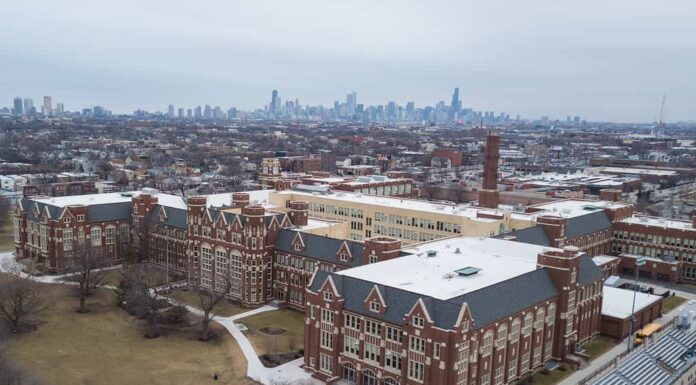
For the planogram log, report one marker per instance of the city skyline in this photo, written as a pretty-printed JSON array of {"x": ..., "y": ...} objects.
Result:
[{"x": 606, "y": 62}]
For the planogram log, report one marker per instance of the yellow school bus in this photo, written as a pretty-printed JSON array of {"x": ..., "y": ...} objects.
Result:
[{"x": 646, "y": 332}]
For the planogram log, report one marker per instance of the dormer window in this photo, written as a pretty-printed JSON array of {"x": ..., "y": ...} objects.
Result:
[
  {"x": 66, "y": 220},
  {"x": 375, "y": 307},
  {"x": 80, "y": 218},
  {"x": 328, "y": 296},
  {"x": 343, "y": 257},
  {"x": 298, "y": 247},
  {"x": 418, "y": 322}
]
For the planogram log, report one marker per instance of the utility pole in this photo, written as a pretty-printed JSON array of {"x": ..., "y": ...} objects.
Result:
[{"x": 640, "y": 261}]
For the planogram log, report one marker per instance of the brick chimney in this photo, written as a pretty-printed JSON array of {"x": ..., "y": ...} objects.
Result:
[
  {"x": 555, "y": 229},
  {"x": 240, "y": 199},
  {"x": 611, "y": 195},
  {"x": 380, "y": 249},
  {"x": 299, "y": 213},
  {"x": 488, "y": 195}
]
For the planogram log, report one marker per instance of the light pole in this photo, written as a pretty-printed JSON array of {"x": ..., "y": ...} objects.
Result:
[{"x": 640, "y": 261}]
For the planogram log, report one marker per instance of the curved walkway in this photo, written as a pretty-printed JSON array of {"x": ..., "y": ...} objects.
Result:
[{"x": 290, "y": 373}]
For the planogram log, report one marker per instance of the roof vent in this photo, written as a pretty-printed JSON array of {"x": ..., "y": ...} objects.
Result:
[
  {"x": 457, "y": 251},
  {"x": 431, "y": 253},
  {"x": 467, "y": 271}
]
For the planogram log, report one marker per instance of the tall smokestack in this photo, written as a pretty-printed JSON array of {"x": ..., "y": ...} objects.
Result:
[{"x": 488, "y": 196}]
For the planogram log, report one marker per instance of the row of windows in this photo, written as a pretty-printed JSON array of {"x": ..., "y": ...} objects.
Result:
[{"x": 656, "y": 239}]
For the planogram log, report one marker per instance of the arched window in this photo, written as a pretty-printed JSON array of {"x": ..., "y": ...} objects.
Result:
[
  {"x": 349, "y": 372},
  {"x": 528, "y": 319},
  {"x": 539, "y": 321},
  {"x": 515, "y": 330},
  {"x": 501, "y": 336},
  {"x": 369, "y": 378},
  {"x": 551, "y": 314},
  {"x": 487, "y": 343}
]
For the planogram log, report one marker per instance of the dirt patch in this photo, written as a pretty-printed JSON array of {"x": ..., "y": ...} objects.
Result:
[
  {"x": 272, "y": 331},
  {"x": 273, "y": 360}
]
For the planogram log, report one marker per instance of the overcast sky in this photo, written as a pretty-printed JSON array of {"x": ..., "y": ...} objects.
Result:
[{"x": 600, "y": 59}]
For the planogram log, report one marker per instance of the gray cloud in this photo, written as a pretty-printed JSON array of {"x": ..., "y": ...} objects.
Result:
[{"x": 609, "y": 60}]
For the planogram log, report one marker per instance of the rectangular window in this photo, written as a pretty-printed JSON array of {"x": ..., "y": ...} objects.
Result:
[
  {"x": 352, "y": 322},
  {"x": 17, "y": 228},
  {"x": 417, "y": 344},
  {"x": 418, "y": 321},
  {"x": 327, "y": 316},
  {"x": 436, "y": 350},
  {"x": 499, "y": 375},
  {"x": 372, "y": 352},
  {"x": 394, "y": 334},
  {"x": 96, "y": 236},
  {"x": 110, "y": 235},
  {"x": 351, "y": 345},
  {"x": 392, "y": 360},
  {"x": 325, "y": 362},
  {"x": 415, "y": 370},
  {"x": 326, "y": 340},
  {"x": 67, "y": 239},
  {"x": 373, "y": 328}
]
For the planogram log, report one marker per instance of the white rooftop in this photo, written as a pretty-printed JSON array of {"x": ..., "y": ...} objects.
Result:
[
  {"x": 436, "y": 276},
  {"x": 602, "y": 259},
  {"x": 637, "y": 171},
  {"x": 617, "y": 302},
  {"x": 465, "y": 211},
  {"x": 89, "y": 199},
  {"x": 660, "y": 222},
  {"x": 575, "y": 208}
]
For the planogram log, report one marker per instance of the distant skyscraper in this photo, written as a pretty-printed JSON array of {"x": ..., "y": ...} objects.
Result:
[
  {"x": 198, "y": 114},
  {"x": 275, "y": 103},
  {"x": 17, "y": 110},
  {"x": 47, "y": 108},
  {"x": 208, "y": 112},
  {"x": 29, "y": 106},
  {"x": 181, "y": 113},
  {"x": 170, "y": 110},
  {"x": 455, "y": 106},
  {"x": 351, "y": 102},
  {"x": 189, "y": 113},
  {"x": 60, "y": 109}
]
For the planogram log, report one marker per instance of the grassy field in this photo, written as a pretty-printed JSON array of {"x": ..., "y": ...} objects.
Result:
[
  {"x": 106, "y": 346},
  {"x": 599, "y": 346},
  {"x": 672, "y": 303},
  {"x": 7, "y": 235},
  {"x": 290, "y": 320},
  {"x": 554, "y": 377},
  {"x": 225, "y": 308}
]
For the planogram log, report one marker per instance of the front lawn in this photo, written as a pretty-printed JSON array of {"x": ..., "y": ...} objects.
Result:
[
  {"x": 187, "y": 297},
  {"x": 7, "y": 235},
  {"x": 599, "y": 346},
  {"x": 106, "y": 346},
  {"x": 672, "y": 302},
  {"x": 263, "y": 329}
]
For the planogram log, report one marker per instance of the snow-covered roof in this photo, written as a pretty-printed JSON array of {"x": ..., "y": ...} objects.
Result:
[
  {"x": 659, "y": 222},
  {"x": 574, "y": 208},
  {"x": 617, "y": 302},
  {"x": 465, "y": 211},
  {"x": 86, "y": 200},
  {"x": 602, "y": 259},
  {"x": 436, "y": 275}
]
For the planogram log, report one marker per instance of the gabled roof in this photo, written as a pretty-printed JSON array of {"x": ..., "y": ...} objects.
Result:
[
  {"x": 534, "y": 235},
  {"x": 587, "y": 224},
  {"x": 486, "y": 305},
  {"x": 318, "y": 247},
  {"x": 175, "y": 217},
  {"x": 588, "y": 271},
  {"x": 109, "y": 212}
]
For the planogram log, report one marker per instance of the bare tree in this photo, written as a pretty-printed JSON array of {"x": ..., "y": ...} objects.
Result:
[
  {"x": 86, "y": 264},
  {"x": 209, "y": 300},
  {"x": 20, "y": 303},
  {"x": 142, "y": 297}
]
